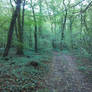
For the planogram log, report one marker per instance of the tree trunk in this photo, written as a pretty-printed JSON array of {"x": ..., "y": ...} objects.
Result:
[
  {"x": 20, "y": 41},
  {"x": 35, "y": 33},
  {"x": 20, "y": 35},
  {"x": 11, "y": 28},
  {"x": 20, "y": 30},
  {"x": 71, "y": 23},
  {"x": 64, "y": 24},
  {"x": 63, "y": 29},
  {"x": 40, "y": 24}
]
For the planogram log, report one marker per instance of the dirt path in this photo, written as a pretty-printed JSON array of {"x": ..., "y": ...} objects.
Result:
[{"x": 64, "y": 75}]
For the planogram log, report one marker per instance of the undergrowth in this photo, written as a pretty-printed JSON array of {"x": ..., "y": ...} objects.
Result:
[
  {"x": 84, "y": 62},
  {"x": 23, "y": 73}
]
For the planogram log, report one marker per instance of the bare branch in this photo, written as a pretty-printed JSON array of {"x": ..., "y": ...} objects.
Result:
[
  {"x": 88, "y": 6},
  {"x": 77, "y": 3}
]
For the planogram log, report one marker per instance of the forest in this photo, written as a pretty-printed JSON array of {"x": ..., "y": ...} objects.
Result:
[{"x": 45, "y": 45}]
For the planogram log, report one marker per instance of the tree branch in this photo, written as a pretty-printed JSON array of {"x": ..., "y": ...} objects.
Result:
[{"x": 88, "y": 6}]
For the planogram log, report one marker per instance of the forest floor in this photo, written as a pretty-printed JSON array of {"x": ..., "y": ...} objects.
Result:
[
  {"x": 69, "y": 74},
  {"x": 54, "y": 71},
  {"x": 23, "y": 73}
]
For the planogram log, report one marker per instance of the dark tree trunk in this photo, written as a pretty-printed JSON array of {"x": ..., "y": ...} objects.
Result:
[
  {"x": 20, "y": 31},
  {"x": 35, "y": 33},
  {"x": 71, "y": 23},
  {"x": 85, "y": 23},
  {"x": 20, "y": 37},
  {"x": 40, "y": 25},
  {"x": 81, "y": 20},
  {"x": 63, "y": 29},
  {"x": 64, "y": 24},
  {"x": 23, "y": 17},
  {"x": 11, "y": 29},
  {"x": 16, "y": 31},
  {"x": 31, "y": 40}
]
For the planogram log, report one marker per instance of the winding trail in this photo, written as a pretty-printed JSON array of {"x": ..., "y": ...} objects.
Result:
[{"x": 64, "y": 75}]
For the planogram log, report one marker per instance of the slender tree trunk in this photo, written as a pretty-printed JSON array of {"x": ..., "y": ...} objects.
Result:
[
  {"x": 31, "y": 40},
  {"x": 71, "y": 23},
  {"x": 63, "y": 27},
  {"x": 20, "y": 31},
  {"x": 20, "y": 37},
  {"x": 81, "y": 23},
  {"x": 16, "y": 31},
  {"x": 23, "y": 14},
  {"x": 35, "y": 33},
  {"x": 23, "y": 17},
  {"x": 85, "y": 23},
  {"x": 11, "y": 28},
  {"x": 40, "y": 25}
]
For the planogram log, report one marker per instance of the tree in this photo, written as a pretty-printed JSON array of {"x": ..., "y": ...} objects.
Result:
[
  {"x": 35, "y": 26},
  {"x": 63, "y": 25},
  {"x": 11, "y": 28},
  {"x": 20, "y": 31}
]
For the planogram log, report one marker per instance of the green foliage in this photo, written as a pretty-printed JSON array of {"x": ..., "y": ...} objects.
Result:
[
  {"x": 50, "y": 26},
  {"x": 49, "y": 17},
  {"x": 82, "y": 68}
]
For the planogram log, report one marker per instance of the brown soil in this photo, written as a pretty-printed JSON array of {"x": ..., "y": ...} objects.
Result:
[{"x": 64, "y": 75}]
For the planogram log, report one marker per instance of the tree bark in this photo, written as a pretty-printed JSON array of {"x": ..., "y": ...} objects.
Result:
[
  {"x": 35, "y": 33},
  {"x": 64, "y": 24},
  {"x": 71, "y": 23},
  {"x": 20, "y": 37},
  {"x": 11, "y": 28},
  {"x": 20, "y": 31},
  {"x": 40, "y": 24}
]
